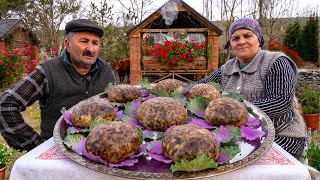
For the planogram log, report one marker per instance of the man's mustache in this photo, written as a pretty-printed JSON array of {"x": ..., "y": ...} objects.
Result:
[{"x": 87, "y": 53}]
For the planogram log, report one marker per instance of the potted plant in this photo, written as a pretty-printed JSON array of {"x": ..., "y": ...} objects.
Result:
[
  {"x": 313, "y": 159},
  {"x": 310, "y": 102},
  {"x": 5, "y": 158}
]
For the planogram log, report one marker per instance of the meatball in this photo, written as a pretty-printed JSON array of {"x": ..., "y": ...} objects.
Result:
[
  {"x": 85, "y": 112},
  {"x": 226, "y": 111},
  {"x": 204, "y": 90},
  {"x": 188, "y": 142},
  {"x": 123, "y": 93},
  {"x": 168, "y": 85},
  {"x": 160, "y": 113},
  {"x": 113, "y": 141}
]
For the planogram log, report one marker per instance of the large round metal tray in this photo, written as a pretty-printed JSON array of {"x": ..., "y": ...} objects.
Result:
[{"x": 248, "y": 155}]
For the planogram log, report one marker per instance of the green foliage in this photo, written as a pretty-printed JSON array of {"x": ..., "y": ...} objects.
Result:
[
  {"x": 198, "y": 104},
  {"x": 293, "y": 31},
  {"x": 8, "y": 7},
  {"x": 216, "y": 85},
  {"x": 197, "y": 164},
  {"x": 307, "y": 42},
  {"x": 44, "y": 18},
  {"x": 14, "y": 63},
  {"x": 230, "y": 151},
  {"x": 115, "y": 44},
  {"x": 147, "y": 86},
  {"x": 96, "y": 123},
  {"x": 310, "y": 100},
  {"x": 5, "y": 155},
  {"x": 71, "y": 140},
  {"x": 313, "y": 155}
]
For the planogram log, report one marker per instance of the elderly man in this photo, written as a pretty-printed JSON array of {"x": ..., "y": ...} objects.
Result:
[{"x": 61, "y": 82}]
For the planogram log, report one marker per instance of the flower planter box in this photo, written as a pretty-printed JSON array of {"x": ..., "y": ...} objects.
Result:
[{"x": 150, "y": 63}]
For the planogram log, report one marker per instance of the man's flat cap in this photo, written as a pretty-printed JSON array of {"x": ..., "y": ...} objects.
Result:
[{"x": 84, "y": 25}]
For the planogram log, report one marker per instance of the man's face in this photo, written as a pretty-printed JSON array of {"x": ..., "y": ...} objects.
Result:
[{"x": 83, "y": 48}]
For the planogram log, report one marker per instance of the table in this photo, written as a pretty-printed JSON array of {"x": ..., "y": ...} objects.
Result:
[{"x": 47, "y": 162}]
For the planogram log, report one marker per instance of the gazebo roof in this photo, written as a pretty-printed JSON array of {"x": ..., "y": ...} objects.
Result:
[{"x": 187, "y": 17}]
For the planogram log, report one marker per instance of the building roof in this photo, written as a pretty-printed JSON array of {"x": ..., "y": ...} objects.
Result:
[
  {"x": 6, "y": 25},
  {"x": 9, "y": 25},
  {"x": 189, "y": 18}
]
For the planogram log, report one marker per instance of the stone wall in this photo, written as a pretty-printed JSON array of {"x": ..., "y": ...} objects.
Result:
[{"x": 306, "y": 77}]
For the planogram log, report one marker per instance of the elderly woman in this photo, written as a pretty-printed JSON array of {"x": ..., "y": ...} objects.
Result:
[{"x": 266, "y": 79}]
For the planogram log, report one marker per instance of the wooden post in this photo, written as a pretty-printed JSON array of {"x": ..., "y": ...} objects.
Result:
[
  {"x": 135, "y": 59},
  {"x": 213, "y": 51},
  {"x": 34, "y": 53},
  {"x": 2, "y": 46}
]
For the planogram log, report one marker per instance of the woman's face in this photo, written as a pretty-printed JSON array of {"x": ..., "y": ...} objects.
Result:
[{"x": 245, "y": 45}]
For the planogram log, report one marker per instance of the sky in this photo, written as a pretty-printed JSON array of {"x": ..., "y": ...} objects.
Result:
[
  {"x": 197, "y": 4},
  {"x": 301, "y": 5}
]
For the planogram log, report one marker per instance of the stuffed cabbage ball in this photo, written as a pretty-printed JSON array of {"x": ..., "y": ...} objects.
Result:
[
  {"x": 114, "y": 141},
  {"x": 226, "y": 111},
  {"x": 188, "y": 142},
  {"x": 160, "y": 113},
  {"x": 168, "y": 85},
  {"x": 123, "y": 93},
  {"x": 87, "y": 111},
  {"x": 204, "y": 90}
]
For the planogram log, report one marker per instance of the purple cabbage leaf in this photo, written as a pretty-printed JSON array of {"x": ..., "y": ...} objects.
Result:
[{"x": 250, "y": 133}]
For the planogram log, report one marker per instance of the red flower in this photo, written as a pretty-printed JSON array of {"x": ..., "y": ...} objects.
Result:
[
  {"x": 275, "y": 46},
  {"x": 175, "y": 52}
]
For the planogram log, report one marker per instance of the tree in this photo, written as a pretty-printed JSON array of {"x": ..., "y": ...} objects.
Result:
[
  {"x": 293, "y": 31},
  {"x": 274, "y": 13},
  {"x": 207, "y": 9},
  {"x": 134, "y": 11},
  {"x": 114, "y": 44},
  {"x": 8, "y": 7},
  {"x": 307, "y": 43},
  {"x": 45, "y": 17}
]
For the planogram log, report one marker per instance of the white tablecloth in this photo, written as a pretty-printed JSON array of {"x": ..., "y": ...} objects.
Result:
[{"x": 47, "y": 162}]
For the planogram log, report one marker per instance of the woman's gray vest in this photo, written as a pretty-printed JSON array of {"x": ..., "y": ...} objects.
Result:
[
  {"x": 250, "y": 83},
  {"x": 66, "y": 88}
]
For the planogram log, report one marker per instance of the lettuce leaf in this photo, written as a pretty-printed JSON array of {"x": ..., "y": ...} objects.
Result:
[
  {"x": 74, "y": 130},
  {"x": 197, "y": 164},
  {"x": 131, "y": 108},
  {"x": 216, "y": 85},
  {"x": 234, "y": 95},
  {"x": 198, "y": 106},
  {"x": 227, "y": 152},
  {"x": 153, "y": 135},
  {"x": 147, "y": 86},
  {"x": 72, "y": 141},
  {"x": 179, "y": 91},
  {"x": 225, "y": 134},
  {"x": 97, "y": 123}
]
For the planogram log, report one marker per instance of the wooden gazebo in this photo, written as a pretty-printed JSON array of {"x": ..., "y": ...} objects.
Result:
[{"x": 159, "y": 25}]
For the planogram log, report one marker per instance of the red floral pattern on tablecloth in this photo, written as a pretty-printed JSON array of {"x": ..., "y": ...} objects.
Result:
[
  {"x": 52, "y": 153},
  {"x": 273, "y": 157}
]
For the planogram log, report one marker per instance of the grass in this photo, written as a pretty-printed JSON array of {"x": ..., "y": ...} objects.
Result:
[{"x": 32, "y": 117}]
